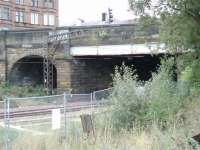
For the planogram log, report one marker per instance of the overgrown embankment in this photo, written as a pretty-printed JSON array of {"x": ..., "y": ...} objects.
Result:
[
  {"x": 19, "y": 91},
  {"x": 160, "y": 114},
  {"x": 164, "y": 110}
]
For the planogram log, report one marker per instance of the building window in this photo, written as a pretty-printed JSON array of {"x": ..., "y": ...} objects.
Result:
[
  {"x": 4, "y": 13},
  {"x": 20, "y": 2},
  {"x": 35, "y": 3},
  {"x": 19, "y": 16},
  {"x": 48, "y": 3},
  {"x": 4, "y": 29},
  {"x": 49, "y": 19},
  {"x": 34, "y": 18}
]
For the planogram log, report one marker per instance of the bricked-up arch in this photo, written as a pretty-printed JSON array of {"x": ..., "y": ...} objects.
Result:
[{"x": 29, "y": 71}]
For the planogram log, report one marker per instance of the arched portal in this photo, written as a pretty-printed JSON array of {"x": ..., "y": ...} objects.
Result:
[{"x": 28, "y": 71}]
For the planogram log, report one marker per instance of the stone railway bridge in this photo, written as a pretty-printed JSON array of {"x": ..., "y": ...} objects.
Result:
[{"x": 83, "y": 63}]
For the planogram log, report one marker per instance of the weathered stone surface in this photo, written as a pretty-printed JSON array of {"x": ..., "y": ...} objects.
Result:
[
  {"x": 81, "y": 75},
  {"x": 2, "y": 71}
]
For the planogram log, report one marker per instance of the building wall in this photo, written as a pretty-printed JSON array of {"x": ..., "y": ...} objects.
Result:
[{"x": 27, "y": 9}]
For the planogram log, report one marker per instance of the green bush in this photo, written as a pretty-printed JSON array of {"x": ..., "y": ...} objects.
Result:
[
  {"x": 164, "y": 97},
  {"x": 158, "y": 100},
  {"x": 20, "y": 91},
  {"x": 128, "y": 105},
  {"x": 189, "y": 68}
]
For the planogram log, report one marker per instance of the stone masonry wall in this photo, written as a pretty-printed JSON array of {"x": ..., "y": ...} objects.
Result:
[
  {"x": 95, "y": 74},
  {"x": 63, "y": 74},
  {"x": 2, "y": 71},
  {"x": 82, "y": 75}
]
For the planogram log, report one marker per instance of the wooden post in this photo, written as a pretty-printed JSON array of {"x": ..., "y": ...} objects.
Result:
[{"x": 87, "y": 125}]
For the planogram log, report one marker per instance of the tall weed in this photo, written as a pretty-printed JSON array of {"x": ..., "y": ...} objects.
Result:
[
  {"x": 17, "y": 91},
  {"x": 157, "y": 100},
  {"x": 129, "y": 105}
]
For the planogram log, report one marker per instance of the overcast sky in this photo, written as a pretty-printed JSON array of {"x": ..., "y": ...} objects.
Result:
[{"x": 90, "y": 10}]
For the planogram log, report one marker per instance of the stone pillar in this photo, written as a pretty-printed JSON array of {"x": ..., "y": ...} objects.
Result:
[
  {"x": 2, "y": 71},
  {"x": 63, "y": 75},
  {"x": 3, "y": 37}
]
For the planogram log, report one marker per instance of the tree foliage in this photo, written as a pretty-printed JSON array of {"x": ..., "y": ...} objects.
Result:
[{"x": 179, "y": 21}]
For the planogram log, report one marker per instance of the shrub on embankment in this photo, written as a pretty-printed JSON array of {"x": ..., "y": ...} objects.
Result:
[
  {"x": 19, "y": 91},
  {"x": 159, "y": 100},
  {"x": 160, "y": 115}
]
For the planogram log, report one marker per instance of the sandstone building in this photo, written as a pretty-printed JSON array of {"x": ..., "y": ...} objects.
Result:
[{"x": 20, "y": 14}]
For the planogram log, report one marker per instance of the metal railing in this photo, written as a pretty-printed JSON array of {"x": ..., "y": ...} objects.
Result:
[{"x": 102, "y": 94}]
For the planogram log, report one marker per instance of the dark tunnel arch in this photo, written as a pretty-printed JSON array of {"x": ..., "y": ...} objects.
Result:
[{"x": 28, "y": 71}]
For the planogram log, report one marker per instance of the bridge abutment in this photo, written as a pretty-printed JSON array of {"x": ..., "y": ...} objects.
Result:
[
  {"x": 64, "y": 69},
  {"x": 2, "y": 71}
]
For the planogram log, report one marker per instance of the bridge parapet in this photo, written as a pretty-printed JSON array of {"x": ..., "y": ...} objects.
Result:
[
  {"x": 30, "y": 39},
  {"x": 111, "y": 35},
  {"x": 79, "y": 36}
]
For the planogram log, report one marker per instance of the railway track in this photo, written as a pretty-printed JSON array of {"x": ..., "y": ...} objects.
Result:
[{"x": 45, "y": 111}]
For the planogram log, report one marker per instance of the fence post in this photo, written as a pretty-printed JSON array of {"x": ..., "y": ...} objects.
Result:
[
  {"x": 5, "y": 130},
  {"x": 65, "y": 119},
  {"x": 94, "y": 98},
  {"x": 7, "y": 122},
  {"x": 91, "y": 100}
]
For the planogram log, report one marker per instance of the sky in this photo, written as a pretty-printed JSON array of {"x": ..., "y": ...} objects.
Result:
[{"x": 90, "y": 10}]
